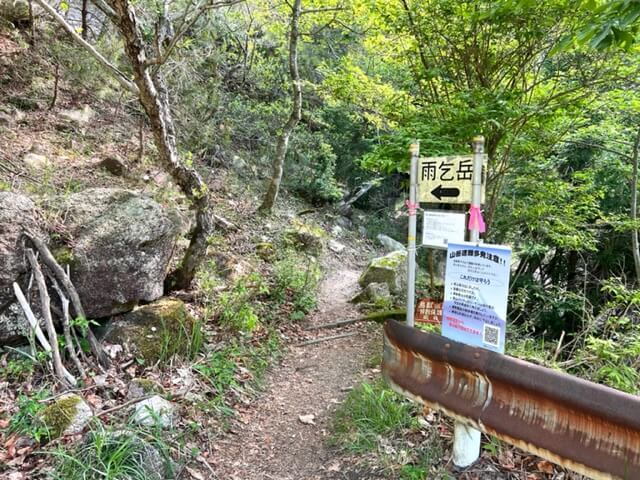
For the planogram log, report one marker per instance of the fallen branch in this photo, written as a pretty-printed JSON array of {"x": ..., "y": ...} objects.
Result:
[
  {"x": 31, "y": 318},
  {"x": 66, "y": 328},
  {"x": 340, "y": 323},
  {"x": 325, "y": 339},
  {"x": 63, "y": 278},
  {"x": 45, "y": 305},
  {"x": 223, "y": 222},
  {"x": 380, "y": 317},
  {"x": 124, "y": 405}
]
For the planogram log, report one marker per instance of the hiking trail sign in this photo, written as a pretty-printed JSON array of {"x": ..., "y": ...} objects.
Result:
[{"x": 447, "y": 179}]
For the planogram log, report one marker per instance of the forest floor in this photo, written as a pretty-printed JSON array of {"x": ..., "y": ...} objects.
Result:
[{"x": 283, "y": 434}]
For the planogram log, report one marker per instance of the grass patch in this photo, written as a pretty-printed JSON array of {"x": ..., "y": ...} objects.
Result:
[
  {"x": 371, "y": 411},
  {"x": 108, "y": 454},
  {"x": 375, "y": 420},
  {"x": 237, "y": 365}
]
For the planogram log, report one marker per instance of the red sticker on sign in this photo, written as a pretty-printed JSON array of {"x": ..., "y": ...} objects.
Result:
[{"x": 429, "y": 310}]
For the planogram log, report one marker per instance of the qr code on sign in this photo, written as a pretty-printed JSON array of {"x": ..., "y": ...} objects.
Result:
[{"x": 491, "y": 335}]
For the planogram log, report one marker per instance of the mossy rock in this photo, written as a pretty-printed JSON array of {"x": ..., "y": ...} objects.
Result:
[
  {"x": 307, "y": 237},
  {"x": 156, "y": 331},
  {"x": 67, "y": 415},
  {"x": 390, "y": 269},
  {"x": 265, "y": 250},
  {"x": 139, "y": 387}
]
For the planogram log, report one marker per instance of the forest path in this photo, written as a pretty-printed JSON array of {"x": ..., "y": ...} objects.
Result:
[{"x": 270, "y": 441}]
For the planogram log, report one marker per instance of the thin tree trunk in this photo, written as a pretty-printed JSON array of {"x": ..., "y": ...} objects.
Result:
[
  {"x": 296, "y": 112},
  {"x": 55, "y": 87},
  {"x": 85, "y": 28},
  {"x": 634, "y": 205},
  {"x": 154, "y": 99}
]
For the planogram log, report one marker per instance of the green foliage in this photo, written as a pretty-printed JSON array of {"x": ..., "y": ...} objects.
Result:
[
  {"x": 27, "y": 421},
  {"x": 295, "y": 283},
  {"x": 609, "y": 352},
  {"x": 369, "y": 412},
  {"x": 235, "y": 307},
  {"x": 18, "y": 369},
  {"x": 109, "y": 454},
  {"x": 374, "y": 419},
  {"x": 237, "y": 365}
]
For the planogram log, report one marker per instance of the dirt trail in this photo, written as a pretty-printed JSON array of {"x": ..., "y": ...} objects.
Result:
[{"x": 270, "y": 441}]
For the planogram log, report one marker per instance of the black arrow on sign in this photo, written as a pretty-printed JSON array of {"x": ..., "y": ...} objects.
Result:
[{"x": 441, "y": 191}]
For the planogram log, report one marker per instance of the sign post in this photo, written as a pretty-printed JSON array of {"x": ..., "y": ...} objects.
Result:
[
  {"x": 466, "y": 439},
  {"x": 412, "y": 207}
]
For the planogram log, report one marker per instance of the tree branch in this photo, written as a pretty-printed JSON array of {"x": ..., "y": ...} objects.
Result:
[{"x": 117, "y": 74}]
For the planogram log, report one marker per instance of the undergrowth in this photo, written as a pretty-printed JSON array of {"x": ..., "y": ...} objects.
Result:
[{"x": 375, "y": 421}]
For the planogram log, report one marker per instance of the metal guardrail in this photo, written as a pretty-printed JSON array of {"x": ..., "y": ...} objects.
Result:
[{"x": 589, "y": 428}]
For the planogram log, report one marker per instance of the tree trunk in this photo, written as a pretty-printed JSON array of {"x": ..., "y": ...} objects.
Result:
[
  {"x": 154, "y": 99},
  {"x": 296, "y": 112},
  {"x": 85, "y": 24},
  {"x": 634, "y": 205}
]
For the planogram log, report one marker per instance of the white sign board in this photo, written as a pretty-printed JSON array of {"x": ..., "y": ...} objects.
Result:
[
  {"x": 476, "y": 289},
  {"x": 441, "y": 227},
  {"x": 447, "y": 179}
]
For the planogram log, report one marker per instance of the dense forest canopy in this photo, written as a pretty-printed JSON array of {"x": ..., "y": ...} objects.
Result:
[
  {"x": 553, "y": 87},
  {"x": 328, "y": 94}
]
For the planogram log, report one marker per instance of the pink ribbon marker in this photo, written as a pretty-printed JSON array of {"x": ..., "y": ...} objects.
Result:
[
  {"x": 476, "y": 222},
  {"x": 412, "y": 207}
]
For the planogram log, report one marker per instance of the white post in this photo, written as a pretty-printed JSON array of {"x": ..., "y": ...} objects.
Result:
[
  {"x": 412, "y": 206},
  {"x": 466, "y": 439}
]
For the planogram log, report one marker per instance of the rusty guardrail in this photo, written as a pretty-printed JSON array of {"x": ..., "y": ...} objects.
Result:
[{"x": 589, "y": 428}]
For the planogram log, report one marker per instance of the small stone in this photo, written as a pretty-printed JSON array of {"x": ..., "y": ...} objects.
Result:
[
  {"x": 113, "y": 165},
  {"x": 154, "y": 411},
  {"x": 307, "y": 419},
  {"x": 336, "y": 246},
  {"x": 80, "y": 117},
  {"x": 36, "y": 161},
  {"x": 336, "y": 230},
  {"x": 390, "y": 244}
]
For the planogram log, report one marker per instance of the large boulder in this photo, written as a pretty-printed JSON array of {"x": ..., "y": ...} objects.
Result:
[
  {"x": 156, "y": 331},
  {"x": 17, "y": 216},
  {"x": 390, "y": 269},
  {"x": 15, "y": 11},
  {"x": 306, "y": 237},
  {"x": 120, "y": 247}
]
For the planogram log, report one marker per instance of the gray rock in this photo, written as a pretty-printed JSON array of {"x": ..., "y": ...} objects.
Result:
[
  {"x": 36, "y": 161},
  {"x": 154, "y": 411},
  {"x": 154, "y": 332},
  {"x": 113, "y": 165},
  {"x": 336, "y": 230},
  {"x": 120, "y": 248},
  {"x": 372, "y": 293},
  {"x": 15, "y": 11},
  {"x": 79, "y": 117},
  {"x": 17, "y": 216},
  {"x": 390, "y": 269},
  {"x": 336, "y": 246},
  {"x": 14, "y": 327},
  {"x": 307, "y": 237},
  {"x": 389, "y": 244}
]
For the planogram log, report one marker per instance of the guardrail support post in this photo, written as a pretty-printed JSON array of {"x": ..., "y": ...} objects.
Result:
[
  {"x": 466, "y": 439},
  {"x": 412, "y": 206}
]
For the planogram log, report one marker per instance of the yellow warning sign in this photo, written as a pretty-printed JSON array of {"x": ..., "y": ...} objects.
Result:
[{"x": 447, "y": 179}]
